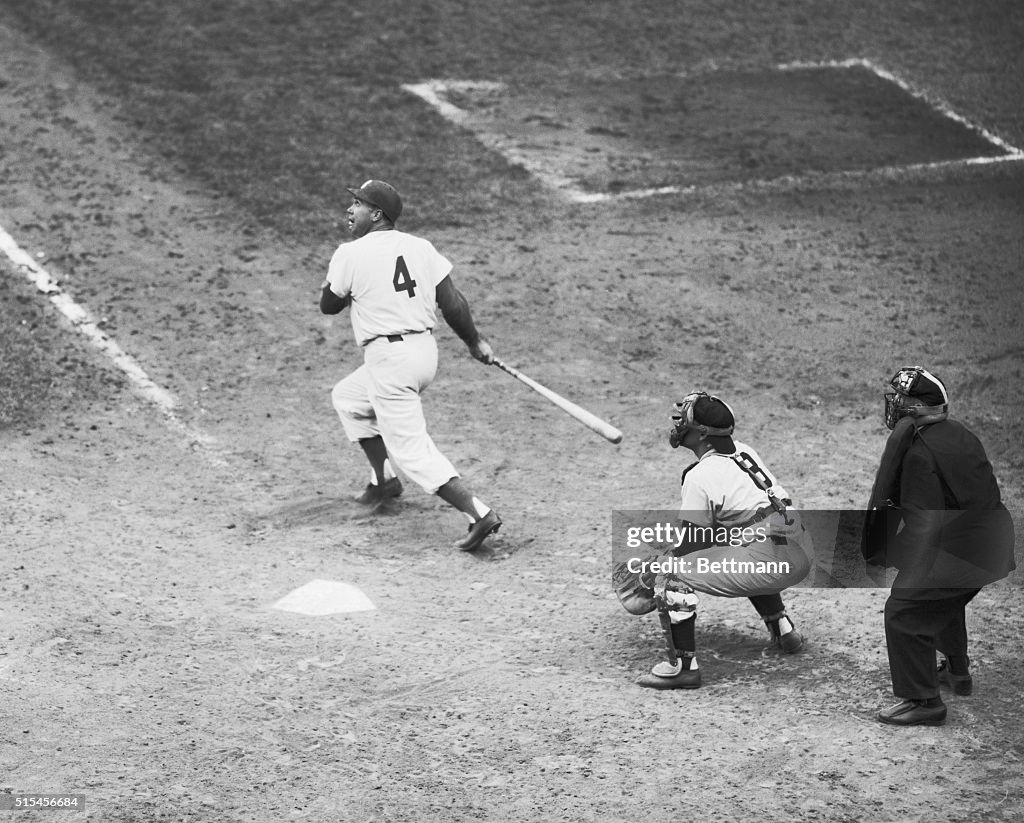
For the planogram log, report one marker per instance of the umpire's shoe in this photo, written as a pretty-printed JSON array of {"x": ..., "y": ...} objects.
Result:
[
  {"x": 478, "y": 531},
  {"x": 374, "y": 493},
  {"x": 915, "y": 713},
  {"x": 961, "y": 684},
  {"x": 670, "y": 676}
]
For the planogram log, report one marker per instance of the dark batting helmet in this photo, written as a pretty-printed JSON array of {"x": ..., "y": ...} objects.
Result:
[{"x": 381, "y": 195}]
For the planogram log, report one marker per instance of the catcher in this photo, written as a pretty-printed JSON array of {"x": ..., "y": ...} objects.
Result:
[{"x": 739, "y": 536}]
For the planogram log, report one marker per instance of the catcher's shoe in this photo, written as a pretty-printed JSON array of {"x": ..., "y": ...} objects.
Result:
[
  {"x": 961, "y": 684},
  {"x": 668, "y": 676},
  {"x": 791, "y": 641},
  {"x": 374, "y": 493},
  {"x": 478, "y": 531},
  {"x": 914, "y": 713}
]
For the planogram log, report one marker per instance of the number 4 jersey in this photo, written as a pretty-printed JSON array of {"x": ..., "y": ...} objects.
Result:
[{"x": 392, "y": 279}]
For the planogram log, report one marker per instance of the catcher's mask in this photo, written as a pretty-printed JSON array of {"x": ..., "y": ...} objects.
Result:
[
  {"x": 683, "y": 418},
  {"x": 915, "y": 392}
]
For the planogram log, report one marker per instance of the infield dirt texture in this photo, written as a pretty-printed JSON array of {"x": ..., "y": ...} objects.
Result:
[{"x": 179, "y": 167}]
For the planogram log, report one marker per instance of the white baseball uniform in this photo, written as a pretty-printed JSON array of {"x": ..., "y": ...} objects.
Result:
[
  {"x": 391, "y": 278},
  {"x": 716, "y": 491}
]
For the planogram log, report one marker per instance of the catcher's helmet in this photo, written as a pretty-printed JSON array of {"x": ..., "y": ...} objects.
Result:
[
  {"x": 914, "y": 392},
  {"x": 705, "y": 413}
]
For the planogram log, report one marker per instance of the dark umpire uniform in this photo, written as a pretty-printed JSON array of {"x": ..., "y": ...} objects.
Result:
[{"x": 936, "y": 515}]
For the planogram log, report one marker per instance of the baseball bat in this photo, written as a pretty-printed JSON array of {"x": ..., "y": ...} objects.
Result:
[{"x": 591, "y": 421}]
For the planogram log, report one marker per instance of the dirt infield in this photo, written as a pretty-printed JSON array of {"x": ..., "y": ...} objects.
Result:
[{"x": 141, "y": 663}]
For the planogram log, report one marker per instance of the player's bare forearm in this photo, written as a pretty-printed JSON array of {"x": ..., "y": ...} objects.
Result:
[
  {"x": 330, "y": 303},
  {"x": 460, "y": 319},
  {"x": 455, "y": 308}
]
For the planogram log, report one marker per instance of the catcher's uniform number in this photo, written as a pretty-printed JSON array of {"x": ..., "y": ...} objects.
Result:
[{"x": 24, "y": 802}]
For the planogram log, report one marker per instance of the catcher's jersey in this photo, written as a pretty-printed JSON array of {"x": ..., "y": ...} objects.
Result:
[
  {"x": 716, "y": 491},
  {"x": 392, "y": 279}
]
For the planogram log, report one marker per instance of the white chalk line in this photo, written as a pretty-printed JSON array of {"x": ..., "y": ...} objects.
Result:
[
  {"x": 83, "y": 322},
  {"x": 936, "y": 102},
  {"x": 433, "y": 92}
]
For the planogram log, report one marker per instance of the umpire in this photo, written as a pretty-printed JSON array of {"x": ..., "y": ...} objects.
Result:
[{"x": 935, "y": 515}]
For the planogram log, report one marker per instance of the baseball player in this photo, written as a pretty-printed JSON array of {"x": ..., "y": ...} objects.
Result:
[
  {"x": 739, "y": 537},
  {"x": 394, "y": 282},
  {"x": 936, "y": 514}
]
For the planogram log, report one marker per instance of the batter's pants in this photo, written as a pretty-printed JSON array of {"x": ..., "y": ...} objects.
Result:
[
  {"x": 914, "y": 631},
  {"x": 382, "y": 397}
]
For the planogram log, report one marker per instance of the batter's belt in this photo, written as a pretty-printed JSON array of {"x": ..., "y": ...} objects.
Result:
[{"x": 397, "y": 338}]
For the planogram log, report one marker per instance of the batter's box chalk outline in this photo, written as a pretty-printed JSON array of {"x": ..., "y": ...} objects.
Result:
[
  {"x": 82, "y": 320},
  {"x": 323, "y": 597},
  {"x": 439, "y": 95}
]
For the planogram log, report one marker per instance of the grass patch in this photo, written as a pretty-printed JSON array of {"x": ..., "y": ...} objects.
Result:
[
  {"x": 44, "y": 369},
  {"x": 279, "y": 103}
]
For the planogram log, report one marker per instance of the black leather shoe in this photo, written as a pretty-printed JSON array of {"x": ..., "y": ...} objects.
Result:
[
  {"x": 961, "y": 684},
  {"x": 684, "y": 680},
  {"x": 478, "y": 531},
  {"x": 374, "y": 494},
  {"x": 913, "y": 713},
  {"x": 791, "y": 642}
]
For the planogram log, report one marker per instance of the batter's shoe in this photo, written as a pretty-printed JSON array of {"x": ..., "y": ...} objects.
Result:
[
  {"x": 478, "y": 532},
  {"x": 915, "y": 713},
  {"x": 668, "y": 676},
  {"x": 961, "y": 684},
  {"x": 374, "y": 493}
]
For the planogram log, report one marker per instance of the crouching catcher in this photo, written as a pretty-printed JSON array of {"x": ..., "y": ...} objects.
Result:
[{"x": 739, "y": 536}]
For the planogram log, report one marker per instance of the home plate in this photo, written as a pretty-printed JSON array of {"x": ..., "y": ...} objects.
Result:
[{"x": 325, "y": 597}]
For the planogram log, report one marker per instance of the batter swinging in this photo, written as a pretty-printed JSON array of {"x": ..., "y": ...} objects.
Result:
[{"x": 394, "y": 282}]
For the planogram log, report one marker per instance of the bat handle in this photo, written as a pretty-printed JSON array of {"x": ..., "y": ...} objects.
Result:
[{"x": 503, "y": 366}]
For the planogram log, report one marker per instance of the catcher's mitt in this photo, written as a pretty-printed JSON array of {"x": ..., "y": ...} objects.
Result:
[{"x": 635, "y": 590}]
